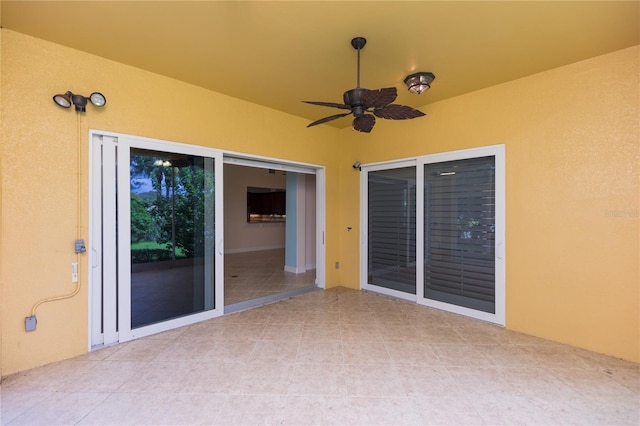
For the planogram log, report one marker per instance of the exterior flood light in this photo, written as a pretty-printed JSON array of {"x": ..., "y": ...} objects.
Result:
[
  {"x": 419, "y": 82},
  {"x": 80, "y": 102}
]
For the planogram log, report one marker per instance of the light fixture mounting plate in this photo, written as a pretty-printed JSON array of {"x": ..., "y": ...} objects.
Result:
[{"x": 358, "y": 42}]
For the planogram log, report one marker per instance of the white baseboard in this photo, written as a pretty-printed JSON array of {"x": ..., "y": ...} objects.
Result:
[{"x": 295, "y": 270}]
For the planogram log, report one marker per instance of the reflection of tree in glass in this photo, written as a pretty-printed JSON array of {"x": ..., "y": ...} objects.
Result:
[
  {"x": 143, "y": 226},
  {"x": 466, "y": 225},
  {"x": 175, "y": 219}
]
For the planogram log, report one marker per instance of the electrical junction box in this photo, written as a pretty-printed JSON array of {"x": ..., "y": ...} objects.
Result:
[
  {"x": 30, "y": 323},
  {"x": 80, "y": 247}
]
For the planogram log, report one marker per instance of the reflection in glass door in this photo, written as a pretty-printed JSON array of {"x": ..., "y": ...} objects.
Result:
[{"x": 172, "y": 245}]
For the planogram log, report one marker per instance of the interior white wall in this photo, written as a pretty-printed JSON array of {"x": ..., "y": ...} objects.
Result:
[{"x": 240, "y": 236}]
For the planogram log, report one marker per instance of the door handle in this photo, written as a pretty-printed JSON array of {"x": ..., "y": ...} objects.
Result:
[
  {"x": 500, "y": 250},
  {"x": 94, "y": 259}
]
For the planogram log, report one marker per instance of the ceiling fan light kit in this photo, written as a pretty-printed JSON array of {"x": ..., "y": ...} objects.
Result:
[
  {"x": 366, "y": 105},
  {"x": 419, "y": 82}
]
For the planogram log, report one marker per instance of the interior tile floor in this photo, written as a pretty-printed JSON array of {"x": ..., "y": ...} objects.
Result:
[
  {"x": 251, "y": 275},
  {"x": 339, "y": 357}
]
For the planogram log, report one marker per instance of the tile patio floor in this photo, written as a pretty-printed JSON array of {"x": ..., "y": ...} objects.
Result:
[{"x": 336, "y": 357}]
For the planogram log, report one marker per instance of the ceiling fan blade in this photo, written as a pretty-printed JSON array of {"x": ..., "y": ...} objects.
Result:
[
  {"x": 379, "y": 98},
  {"x": 397, "y": 112},
  {"x": 331, "y": 117},
  {"x": 328, "y": 104},
  {"x": 364, "y": 123}
]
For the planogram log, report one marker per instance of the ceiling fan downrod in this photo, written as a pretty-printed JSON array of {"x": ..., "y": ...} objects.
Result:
[{"x": 358, "y": 43}]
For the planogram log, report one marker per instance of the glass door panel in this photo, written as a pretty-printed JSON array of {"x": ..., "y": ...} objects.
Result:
[
  {"x": 391, "y": 229},
  {"x": 459, "y": 233},
  {"x": 172, "y": 237}
]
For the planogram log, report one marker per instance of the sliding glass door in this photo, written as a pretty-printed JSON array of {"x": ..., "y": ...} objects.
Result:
[
  {"x": 172, "y": 235},
  {"x": 158, "y": 246},
  {"x": 448, "y": 211}
]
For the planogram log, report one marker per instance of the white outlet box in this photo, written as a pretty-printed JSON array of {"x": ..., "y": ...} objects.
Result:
[{"x": 74, "y": 272}]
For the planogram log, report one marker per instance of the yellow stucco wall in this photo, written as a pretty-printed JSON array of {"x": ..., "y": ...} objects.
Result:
[
  {"x": 40, "y": 173},
  {"x": 571, "y": 138},
  {"x": 572, "y": 157}
]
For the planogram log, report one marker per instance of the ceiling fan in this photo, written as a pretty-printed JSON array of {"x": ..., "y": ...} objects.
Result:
[{"x": 367, "y": 104}]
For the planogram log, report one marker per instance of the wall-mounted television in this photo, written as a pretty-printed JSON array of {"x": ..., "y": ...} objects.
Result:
[{"x": 266, "y": 205}]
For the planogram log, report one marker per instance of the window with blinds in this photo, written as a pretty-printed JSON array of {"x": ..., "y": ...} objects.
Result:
[
  {"x": 459, "y": 233},
  {"x": 392, "y": 229}
]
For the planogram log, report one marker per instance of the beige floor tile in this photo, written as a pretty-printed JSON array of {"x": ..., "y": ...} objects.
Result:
[
  {"x": 318, "y": 379},
  {"x": 373, "y": 380},
  {"x": 125, "y": 409},
  {"x": 274, "y": 351},
  {"x": 400, "y": 333},
  {"x": 101, "y": 353},
  {"x": 61, "y": 408},
  {"x": 376, "y": 410},
  {"x": 411, "y": 353},
  {"x": 185, "y": 348},
  {"x": 446, "y": 409},
  {"x": 320, "y": 352},
  {"x": 50, "y": 377},
  {"x": 284, "y": 316},
  {"x": 505, "y": 355},
  {"x": 322, "y": 331},
  {"x": 141, "y": 350},
  {"x": 317, "y": 410},
  {"x": 439, "y": 334},
  {"x": 358, "y": 352},
  {"x": 289, "y": 332},
  {"x": 237, "y": 331},
  {"x": 513, "y": 409},
  {"x": 189, "y": 409},
  {"x": 458, "y": 354},
  {"x": 167, "y": 376},
  {"x": 216, "y": 378},
  {"x": 14, "y": 402},
  {"x": 333, "y": 357},
  {"x": 103, "y": 376},
  {"x": 428, "y": 382},
  {"x": 264, "y": 379},
  {"x": 360, "y": 333},
  {"x": 232, "y": 351},
  {"x": 252, "y": 410}
]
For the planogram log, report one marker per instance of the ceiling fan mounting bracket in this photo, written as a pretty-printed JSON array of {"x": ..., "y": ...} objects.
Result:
[{"x": 358, "y": 42}]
